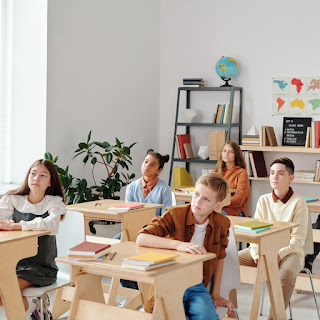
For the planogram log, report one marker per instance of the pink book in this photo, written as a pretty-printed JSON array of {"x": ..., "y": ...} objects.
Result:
[{"x": 317, "y": 133}]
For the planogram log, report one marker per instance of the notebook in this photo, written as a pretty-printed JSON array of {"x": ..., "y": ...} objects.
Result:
[
  {"x": 150, "y": 267},
  {"x": 149, "y": 258},
  {"x": 310, "y": 199},
  {"x": 127, "y": 206},
  {"x": 252, "y": 230},
  {"x": 89, "y": 250},
  {"x": 250, "y": 225}
]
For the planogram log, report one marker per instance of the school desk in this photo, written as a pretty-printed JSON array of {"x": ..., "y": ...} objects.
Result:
[
  {"x": 132, "y": 220},
  {"x": 187, "y": 196},
  {"x": 14, "y": 246},
  {"x": 170, "y": 283},
  {"x": 270, "y": 242}
]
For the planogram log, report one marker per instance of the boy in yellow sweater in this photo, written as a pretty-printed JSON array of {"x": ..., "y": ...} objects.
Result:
[
  {"x": 197, "y": 228},
  {"x": 282, "y": 205}
]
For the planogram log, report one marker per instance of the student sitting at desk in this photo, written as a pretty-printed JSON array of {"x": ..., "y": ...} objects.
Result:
[
  {"x": 37, "y": 205},
  {"x": 149, "y": 188},
  {"x": 196, "y": 228},
  {"x": 232, "y": 167},
  {"x": 282, "y": 205}
]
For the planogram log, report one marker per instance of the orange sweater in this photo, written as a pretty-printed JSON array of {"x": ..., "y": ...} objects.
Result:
[{"x": 238, "y": 179}]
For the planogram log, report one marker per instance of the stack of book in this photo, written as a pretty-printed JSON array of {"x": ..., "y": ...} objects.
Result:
[
  {"x": 250, "y": 140},
  {"x": 127, "y": 206},
  {"x": 222, "y": 115},
  {"x": 184, "y": 147},
  {"x": 317, "y": 171},
  {"x": 267, "y": 137},
  {"x": 304, "y": 175},
  {"x": 89, "y": 251},
  {"x": 253, "y": 226},
  {"x": 193, "y": 82},
  {"x": 311, "y": 199},
  {"x": 148, "y": 261}
]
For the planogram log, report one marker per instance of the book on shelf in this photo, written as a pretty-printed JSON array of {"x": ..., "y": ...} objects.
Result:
[
  {"x": 88, "y": 251},
  {"x": 222, "y": 135},
  {"x": 312, "y": 135},
  {"x": 308, "y": 143},
  {"x": 271, "y": 136},
  {"x": 248, "y": 165},
  {"x": 181, "y": 177},
  {"x": 217, "y": 139},
  {"x": 193, "y": 80},
  {"x": 251, "y": 230},
  {"x": 188, "y": 150},
  {"x": 178, "y": 147},
  {"x": 251, "y": 225},
  {"x": 311, "y": 199},
  {"x": 127, "y": 206},
  {"x": 226, "y": 113},
  {"x": 258, "y": 164},
  {"x": 316, "y": 134},
  {"x": 304, "y": 175},
  {"x": 149, "y": 260},
  {"x": 193, "y": 85},
  {"x": 183, "y": 138},
  {"x": 317, "y": 171},
  {"x": 219, "y": 113}
]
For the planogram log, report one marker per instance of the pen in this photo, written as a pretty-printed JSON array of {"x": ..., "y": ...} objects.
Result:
[{"x": 112, "y": 256}]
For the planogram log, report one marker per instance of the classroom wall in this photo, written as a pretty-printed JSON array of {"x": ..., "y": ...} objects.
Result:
[
  {"x": 103, "y": 75},
  {"x": 267, "y": 39}
]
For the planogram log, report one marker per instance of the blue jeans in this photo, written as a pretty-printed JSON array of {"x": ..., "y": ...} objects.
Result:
[
  {"x": 238, "y": 215},
  {"x": 198, "y": 304}
]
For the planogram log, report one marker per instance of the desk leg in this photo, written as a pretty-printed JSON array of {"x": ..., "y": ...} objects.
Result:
[
  {"x": 169, "y": 291},
  {"x": 113, "y": 291},
  {"x": 88, "y": 287},
  {"x": 11, "y": 253},
  {"x": 86, "y": 225}
]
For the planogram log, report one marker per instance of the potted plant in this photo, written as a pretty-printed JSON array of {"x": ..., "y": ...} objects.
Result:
[{"x": 115, "y": 158}]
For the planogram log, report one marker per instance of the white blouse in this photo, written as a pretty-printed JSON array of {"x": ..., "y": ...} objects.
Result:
[{"x": 53, "y": 204}]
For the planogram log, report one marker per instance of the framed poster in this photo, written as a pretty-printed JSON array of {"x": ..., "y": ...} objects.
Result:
[{"x": 294, "y": 131}]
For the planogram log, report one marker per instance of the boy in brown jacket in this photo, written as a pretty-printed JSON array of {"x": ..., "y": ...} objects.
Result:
[{"x": 196, "y": 228}]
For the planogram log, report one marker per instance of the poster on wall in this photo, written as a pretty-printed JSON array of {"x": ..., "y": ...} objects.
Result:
[{"x": 296, "y": 96}]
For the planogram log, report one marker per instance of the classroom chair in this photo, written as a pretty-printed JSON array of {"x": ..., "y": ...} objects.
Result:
[
  {"x": 230, "y": 280},
  {"x": 308, "y": 249},
  {"x": 59, "y": 306}
]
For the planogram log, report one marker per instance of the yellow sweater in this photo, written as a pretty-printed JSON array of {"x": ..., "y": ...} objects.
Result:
[{"x": 294, "y": 210}]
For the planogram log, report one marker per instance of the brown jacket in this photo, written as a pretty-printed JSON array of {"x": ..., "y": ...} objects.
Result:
[
  {"x": 178, "y": 223},
  {"x": 238, "y": 179}
]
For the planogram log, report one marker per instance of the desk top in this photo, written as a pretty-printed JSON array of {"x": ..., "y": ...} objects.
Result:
[
  {"x": 10, "y": 236},
  {"x": 102, "y": 206},
  {"x": 314, "y": 206},
  {"x": 127, "y": 249},
  {"x": 278, "y": 226}
]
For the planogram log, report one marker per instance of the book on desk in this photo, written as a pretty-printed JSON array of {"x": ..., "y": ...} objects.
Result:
[
  {"x": 127, "y": 206},
  {"x": 253, "y": 226},
  {"x": 88, "y": 251}
]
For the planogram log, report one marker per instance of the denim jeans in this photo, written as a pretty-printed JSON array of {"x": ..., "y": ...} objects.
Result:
[
  {"x": 198, "y": 304},
  {"x": 238, "y": 215}
]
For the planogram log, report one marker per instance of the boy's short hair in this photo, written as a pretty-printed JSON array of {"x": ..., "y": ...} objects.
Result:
[
  {"x": 287, "y": 162},
  {"x": 216, "y": 183}
]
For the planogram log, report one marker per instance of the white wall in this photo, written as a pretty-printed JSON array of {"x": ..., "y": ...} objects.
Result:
[
  {"x": 28, "y": 131},
  {"x": 103, "y": 74},
  {"x": 267, "y": 39}
]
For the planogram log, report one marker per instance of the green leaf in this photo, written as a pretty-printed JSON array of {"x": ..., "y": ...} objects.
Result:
[
  {"x": 78, "y": 154},
  {"x": 126, "y": 150},
  {"x": 83, "y": 145},
  {"x": 109, "y": 158},
  {"x": 131, "y": 145},
  {"x": 94, "y": 161},
  {"x": 85, "y": 160},
  {"x": 48, "y": 156},
  {"x": 89, "y": 136},
  {"x": 118, "y": 143},
  {"x": 83, "y": 184},
  {"x": 77, "y": 198}
]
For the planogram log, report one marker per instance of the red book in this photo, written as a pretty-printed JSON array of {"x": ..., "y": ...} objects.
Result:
[
  {"x": 89, "y": 250},
  {"x": 183, "y": 138},
  {"x": 317, "y": 133},
  {"x": 128, "y": 206},
  {"x": 260, "y": 164}
]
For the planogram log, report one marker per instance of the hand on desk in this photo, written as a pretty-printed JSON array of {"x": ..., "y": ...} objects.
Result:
[
  {"x": 10, "y": 225},
  {"x": 219, "y": 301},
  {"x": 190, "y": 247}
]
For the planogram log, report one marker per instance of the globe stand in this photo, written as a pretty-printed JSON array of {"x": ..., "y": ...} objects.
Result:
[{"x": 227, "y": 83}]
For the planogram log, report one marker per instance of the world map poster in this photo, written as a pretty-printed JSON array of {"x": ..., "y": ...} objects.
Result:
[{"x": 297, "y": 96}]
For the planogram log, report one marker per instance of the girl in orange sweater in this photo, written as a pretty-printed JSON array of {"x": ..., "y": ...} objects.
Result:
[{"x": 231, "y": 165}]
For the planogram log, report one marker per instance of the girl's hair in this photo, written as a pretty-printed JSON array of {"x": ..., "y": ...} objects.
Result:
[
  {"x": 162, "y": 159},
  {"x": 55, "y": 188},
  {"x": 238, "y": 157},
  {"x": 216, "y": 183}
]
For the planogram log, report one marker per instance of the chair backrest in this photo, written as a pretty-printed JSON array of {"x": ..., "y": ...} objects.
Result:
[
  {"x": 231, "y": 272},
  {"x": 174, "y": 201},
  {"x": 308, "y": 245}
]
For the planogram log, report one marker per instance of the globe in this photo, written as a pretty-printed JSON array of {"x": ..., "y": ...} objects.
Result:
[{"x": 226, "y": 68}]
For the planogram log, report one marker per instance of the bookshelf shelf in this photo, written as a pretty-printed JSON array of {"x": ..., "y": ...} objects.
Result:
[
  {"x": 295, "y": 181},
  {"x": 227, "y": 126},
  {"x": 281, "y": 149}
]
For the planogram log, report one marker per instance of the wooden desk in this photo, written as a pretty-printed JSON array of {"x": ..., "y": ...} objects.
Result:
[
  {"x": 132, "y": 220},
  {"x": 169, "y": 282},
  {"x": 14, "y": 246},
  {"x": 270, "y": 242}
]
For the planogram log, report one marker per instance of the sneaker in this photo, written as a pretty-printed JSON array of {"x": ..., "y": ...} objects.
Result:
[
  {"x": 36, "y": 314},
  {"x": 46, "y": 314},
  {"x": 307, "y": 265}
]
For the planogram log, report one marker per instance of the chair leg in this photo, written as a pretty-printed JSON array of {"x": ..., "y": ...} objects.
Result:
[
  {"x": 290, "y": 311},
  {"x": 262, "y": 298},
  {"x": 236, "y": 312},
  {"x": 313, "y": 292}
]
